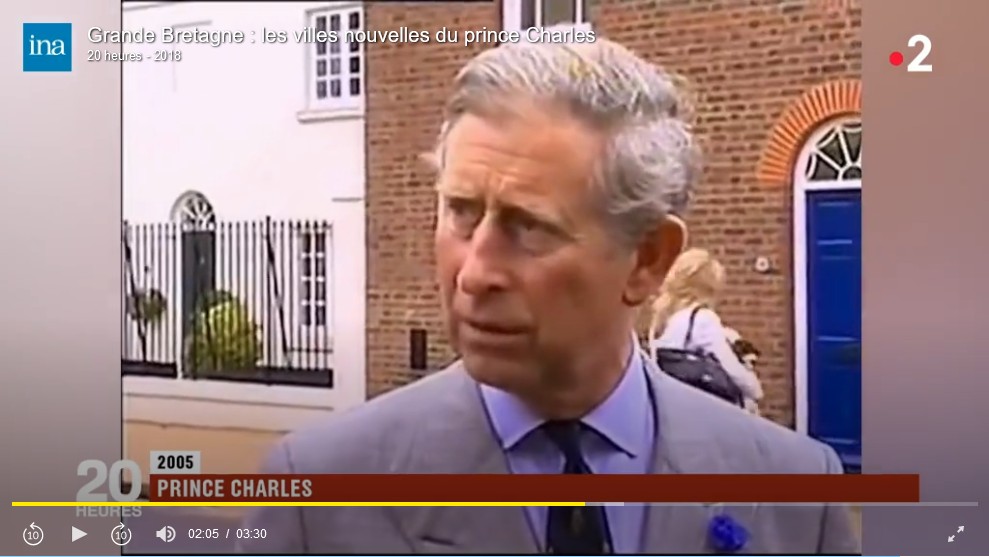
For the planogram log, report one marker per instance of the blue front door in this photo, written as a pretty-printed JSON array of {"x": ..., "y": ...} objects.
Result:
[{"x": 834, "y": 321}]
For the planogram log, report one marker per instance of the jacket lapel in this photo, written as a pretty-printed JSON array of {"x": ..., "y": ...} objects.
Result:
[
  {"x": 683, "y": 446},
  {"x": 462, "y": 443}
]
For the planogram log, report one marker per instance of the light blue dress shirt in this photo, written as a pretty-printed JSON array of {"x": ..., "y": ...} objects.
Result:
[{"x": 621, "y": 441}]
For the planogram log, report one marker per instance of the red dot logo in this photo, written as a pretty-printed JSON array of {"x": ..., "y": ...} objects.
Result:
[{"x": 896, "y": 58}]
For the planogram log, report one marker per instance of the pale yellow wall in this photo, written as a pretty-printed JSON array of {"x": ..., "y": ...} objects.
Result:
[{"x": 224, "y": 451}]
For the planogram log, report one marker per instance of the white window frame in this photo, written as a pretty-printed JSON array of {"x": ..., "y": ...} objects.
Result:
[
  {"x": 347, "y": 105},
  {"x": 801, "y": 187},
  {"x": 314, "y": 277},
  {"x": 511, "y": 16}
]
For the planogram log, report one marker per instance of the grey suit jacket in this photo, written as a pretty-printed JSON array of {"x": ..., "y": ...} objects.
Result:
[{"x": 438, "y": 425}]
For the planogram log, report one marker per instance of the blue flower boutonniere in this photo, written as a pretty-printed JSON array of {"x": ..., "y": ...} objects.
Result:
[{"x": 726, "y": 535}]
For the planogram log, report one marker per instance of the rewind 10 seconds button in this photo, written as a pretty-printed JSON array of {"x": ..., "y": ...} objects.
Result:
[{"x": 921, "y": 46}]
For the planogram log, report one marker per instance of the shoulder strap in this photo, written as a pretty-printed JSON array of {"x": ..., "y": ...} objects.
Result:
[{"x": 690, "y": 327}]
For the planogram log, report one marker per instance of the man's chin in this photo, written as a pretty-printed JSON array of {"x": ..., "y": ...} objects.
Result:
[{"x": 500, "y": 372}]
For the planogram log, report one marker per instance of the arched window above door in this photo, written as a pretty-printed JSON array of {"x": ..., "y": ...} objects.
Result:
[
  {"x": 193, "y": 210},
  {"x": 836, "y": 154}
]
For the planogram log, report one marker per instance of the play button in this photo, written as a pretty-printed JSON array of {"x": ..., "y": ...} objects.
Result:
[{"x": 77, "y": 533}]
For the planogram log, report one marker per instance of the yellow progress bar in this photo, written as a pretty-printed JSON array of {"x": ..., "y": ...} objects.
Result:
[{"x": 279, "y": 504}]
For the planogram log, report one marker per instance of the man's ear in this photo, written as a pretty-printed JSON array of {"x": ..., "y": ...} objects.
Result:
[
  {"x": 674, "y": 232},
  {"x": 654, "y": 257}
]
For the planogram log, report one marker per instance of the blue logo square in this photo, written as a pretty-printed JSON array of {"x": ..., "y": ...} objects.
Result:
[{"x": 48, "y": 47}]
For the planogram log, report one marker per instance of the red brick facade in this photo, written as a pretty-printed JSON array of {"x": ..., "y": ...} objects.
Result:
[{"x": 748, "y": 63}]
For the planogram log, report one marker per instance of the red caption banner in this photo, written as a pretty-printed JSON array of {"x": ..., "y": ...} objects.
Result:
[{"x": 521, "y": 488}]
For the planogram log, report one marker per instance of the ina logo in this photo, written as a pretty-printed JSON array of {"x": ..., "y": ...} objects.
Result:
[{"x": 48, "y": 47}]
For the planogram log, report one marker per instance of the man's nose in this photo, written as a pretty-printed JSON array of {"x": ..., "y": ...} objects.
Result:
[{"x": 483, "y": 269}]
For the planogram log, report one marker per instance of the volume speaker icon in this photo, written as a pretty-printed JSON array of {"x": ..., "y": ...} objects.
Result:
[{"x": 166, "y": 534}]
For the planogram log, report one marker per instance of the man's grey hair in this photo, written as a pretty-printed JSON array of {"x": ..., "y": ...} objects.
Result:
[{"x": 651, "y": 163}]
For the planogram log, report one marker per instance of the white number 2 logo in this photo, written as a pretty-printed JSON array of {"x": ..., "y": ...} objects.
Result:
[{"x": 917, "y": 64}]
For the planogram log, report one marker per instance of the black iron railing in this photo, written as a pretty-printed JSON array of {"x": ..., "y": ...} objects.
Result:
[{"x": 234, "y": 301}]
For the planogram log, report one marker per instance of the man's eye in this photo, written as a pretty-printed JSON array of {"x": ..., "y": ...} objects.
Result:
[
  {"x": 464, "y": 213},
  {"x": 461, "y": 207},
  {"x": 534, "y": 236},
  {"x": 458, "y": 205},
  {"x": 532, "y": 225}
]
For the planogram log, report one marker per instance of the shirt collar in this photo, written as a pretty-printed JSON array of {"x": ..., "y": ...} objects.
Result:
[{"x": 622, "y": 419}]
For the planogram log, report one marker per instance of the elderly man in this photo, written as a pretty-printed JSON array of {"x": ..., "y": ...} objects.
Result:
[{"x": 561, "y": 169}]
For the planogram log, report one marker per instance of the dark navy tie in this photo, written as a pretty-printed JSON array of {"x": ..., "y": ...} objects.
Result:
[{"x": 574, "y": 530}]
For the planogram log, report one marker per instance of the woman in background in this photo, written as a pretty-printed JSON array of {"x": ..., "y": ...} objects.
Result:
[{"x": 695, "y": 281}]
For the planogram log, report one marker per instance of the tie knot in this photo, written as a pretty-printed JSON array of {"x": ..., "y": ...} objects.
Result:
[{"x": 565, "y": 434}]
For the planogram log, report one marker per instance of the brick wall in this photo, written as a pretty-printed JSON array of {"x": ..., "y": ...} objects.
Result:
[
  {"x": 407, "y": 85},
  {"x": 747, "y": 61}
]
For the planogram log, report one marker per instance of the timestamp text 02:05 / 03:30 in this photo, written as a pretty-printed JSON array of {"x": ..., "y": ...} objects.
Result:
[
  {"x": 156, "y": 56},
  {"x": 240, "y": 533}
]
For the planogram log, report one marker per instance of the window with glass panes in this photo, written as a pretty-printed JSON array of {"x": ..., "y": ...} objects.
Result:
[
  {"x": 523, "y": 14},
  {"x": 313, "y": 275},
  {"x": 337, "y": 66}
]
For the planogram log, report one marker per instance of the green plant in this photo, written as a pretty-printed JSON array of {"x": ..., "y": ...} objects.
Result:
[
  {"x": 224, "y": 338},
  {"x": 212, "y": 298},
  {"x": 146, "y": 305}
]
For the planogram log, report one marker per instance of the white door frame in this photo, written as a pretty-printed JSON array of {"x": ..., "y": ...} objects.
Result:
[{"x": 801, "y": 188}]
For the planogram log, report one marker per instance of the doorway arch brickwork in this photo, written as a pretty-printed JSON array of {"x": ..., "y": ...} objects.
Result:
[{"x": 822, "y": 103}]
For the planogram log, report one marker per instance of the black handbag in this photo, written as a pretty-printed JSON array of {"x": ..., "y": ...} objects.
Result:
[{"x": 698, "y": 368}]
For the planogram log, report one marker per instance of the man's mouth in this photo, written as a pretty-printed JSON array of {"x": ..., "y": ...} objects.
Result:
[{"x": 493, "y": 327}]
